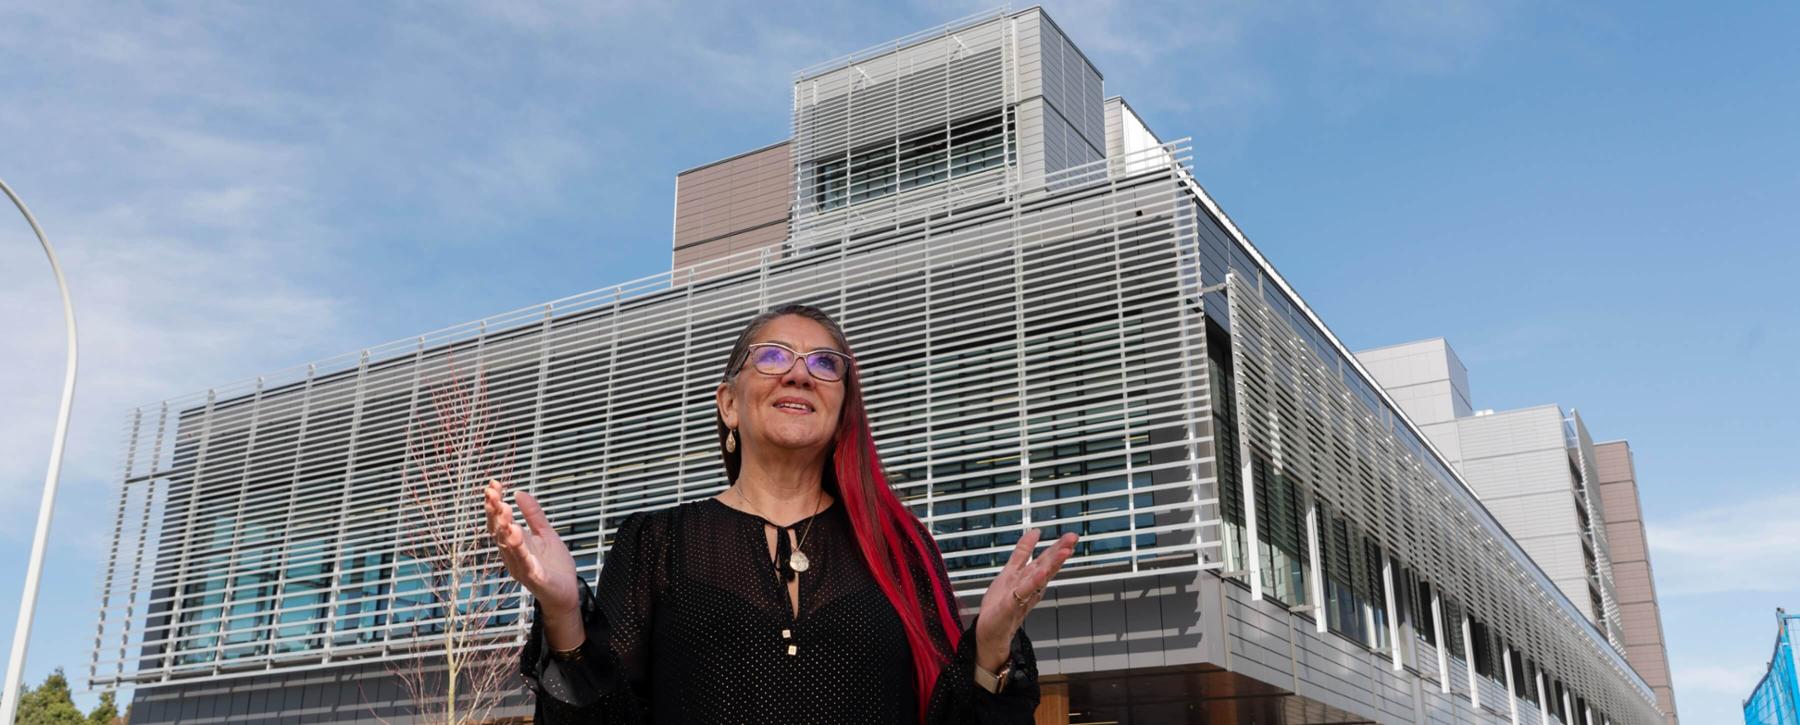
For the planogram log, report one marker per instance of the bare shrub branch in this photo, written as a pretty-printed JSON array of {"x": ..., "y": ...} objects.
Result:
[{"x": 463, "y": 647}]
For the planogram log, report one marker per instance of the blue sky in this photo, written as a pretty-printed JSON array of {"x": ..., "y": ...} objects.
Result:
[{"x": 1595, "y": 205}]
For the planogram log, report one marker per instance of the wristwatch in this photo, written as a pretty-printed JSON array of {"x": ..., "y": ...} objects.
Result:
[
  {"x": 993, "y": 682},
  {"x": 573, "y": 654}
]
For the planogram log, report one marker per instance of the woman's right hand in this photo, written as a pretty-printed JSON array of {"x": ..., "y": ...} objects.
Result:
[{"x": 536, "y": 558}]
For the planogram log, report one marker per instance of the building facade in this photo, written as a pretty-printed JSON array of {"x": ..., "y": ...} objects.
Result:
[
  {"x": 1571, "y": 503},
  {"x": 1058, "y": 327},
  {"x": 1640, "y": 616}
]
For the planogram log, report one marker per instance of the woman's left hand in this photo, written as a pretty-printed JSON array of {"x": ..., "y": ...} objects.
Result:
[{"x": 1018, "y": 588}]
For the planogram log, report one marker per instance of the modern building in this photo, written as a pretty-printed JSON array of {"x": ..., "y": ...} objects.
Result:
[
  {"x": 1059, "y": 328},
  {"x": 1571, "y": 503},
  {"x": 1776, "y": 699}
]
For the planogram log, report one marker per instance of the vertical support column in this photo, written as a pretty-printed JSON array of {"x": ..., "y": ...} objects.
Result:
[
  {"x": 340, "y": 552},
  {"x": 1317, "y": 581},
  {"x": 1469, "y": 659},
  {"x": 1368, "y": 611},
  {"x": 1247, "y": 482},
  {"x": 1587, "y": 713},
  {"x": 1234, "y": 290},
  {"x": 1512, "y": 691},
  {"x": 1443, "y": 645},
  {"x": 1568, "y": 705},
  {"x": 546, "y": 335},
  {"x": 1019, "y": 383},
  {"x": 1393, "y": 609}
]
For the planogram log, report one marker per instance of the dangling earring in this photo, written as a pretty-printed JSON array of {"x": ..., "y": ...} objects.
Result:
[{"x": 730, "y": 440}]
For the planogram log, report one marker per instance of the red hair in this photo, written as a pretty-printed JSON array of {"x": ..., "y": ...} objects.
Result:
[{"x": 886, "y": 531}]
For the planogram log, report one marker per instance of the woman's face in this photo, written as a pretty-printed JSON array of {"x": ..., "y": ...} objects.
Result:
[{"x": 794, "y": 410}]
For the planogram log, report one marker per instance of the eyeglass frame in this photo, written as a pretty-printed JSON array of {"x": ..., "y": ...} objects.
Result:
[{"x": 744, "y": 361}]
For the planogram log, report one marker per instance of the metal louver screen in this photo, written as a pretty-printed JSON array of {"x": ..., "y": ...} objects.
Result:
[
  {"x": 1378, "y": 477},
  {"x": 924, "y": 116},
  {"x": 1031, "y": 364}
]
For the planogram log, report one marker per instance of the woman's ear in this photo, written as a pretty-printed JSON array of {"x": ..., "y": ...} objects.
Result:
[{"x": 726, "y": 398}]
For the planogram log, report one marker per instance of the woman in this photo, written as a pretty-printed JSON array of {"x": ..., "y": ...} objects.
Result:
[{"x": 805, "y": 592}]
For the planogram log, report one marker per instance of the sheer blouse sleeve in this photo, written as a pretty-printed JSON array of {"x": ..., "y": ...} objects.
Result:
[
  {"x": 957, "y": 699},
  {"x": 610, "y": 683}
]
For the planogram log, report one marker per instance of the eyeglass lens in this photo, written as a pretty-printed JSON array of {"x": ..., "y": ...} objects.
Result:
[{"x": 772, "y": 360}]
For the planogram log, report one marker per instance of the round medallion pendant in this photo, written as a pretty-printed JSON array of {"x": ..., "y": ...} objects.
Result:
[{"x": 798, "y": 562}]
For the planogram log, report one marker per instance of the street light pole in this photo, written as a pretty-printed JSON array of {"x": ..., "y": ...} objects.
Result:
[{"x": 9, "y": 702}]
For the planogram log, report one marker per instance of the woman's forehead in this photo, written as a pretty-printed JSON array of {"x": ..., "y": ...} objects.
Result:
[{"x": 796, "y": 332}]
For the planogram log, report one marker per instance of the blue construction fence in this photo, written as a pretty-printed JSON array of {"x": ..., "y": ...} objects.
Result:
[{"x": 1776, "y": 699}]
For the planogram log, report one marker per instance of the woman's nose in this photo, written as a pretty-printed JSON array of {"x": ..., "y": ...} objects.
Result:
[{"x": 799, "y": 374}]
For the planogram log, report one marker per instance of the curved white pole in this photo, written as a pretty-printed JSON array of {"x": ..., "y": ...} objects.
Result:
[{"x": 15, "y": 666}]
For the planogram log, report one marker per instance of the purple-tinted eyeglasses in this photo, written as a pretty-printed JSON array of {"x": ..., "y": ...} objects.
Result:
[{"x": 774, "y": 358}]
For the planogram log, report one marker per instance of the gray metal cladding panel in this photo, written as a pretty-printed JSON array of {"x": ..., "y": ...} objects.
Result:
[
  {"x": 1115, "y": 128},
  {"x": 1394, "y": 693},
  {"x": 1143, "y": 616},
  {"x": 1107, "y": 604},
  {"x": 1337, "y": 667},
  {"x": 1513, "y": 431},
  {"x": 1493, "y": 697},
  {"x": 1027, "y": 31},
  {"x": 1536, "y": 471},
  {"x": 1459, "y": 677},
  {"x": 1112, "y": 625},
  {"x": 1189, "y": 618},
  {"x": 359, "y": 694},
  {"x": 1064, "y": 146},
  {"x": 1073, "y": 88},
  {"x": 1070, "y": 646},
  {"x": 1258, "y": 640},
  {"x": 1441, "y": 711}
]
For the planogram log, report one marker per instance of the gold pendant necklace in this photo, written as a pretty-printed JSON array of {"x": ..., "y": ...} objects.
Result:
[{"x": 797, "y": 561}]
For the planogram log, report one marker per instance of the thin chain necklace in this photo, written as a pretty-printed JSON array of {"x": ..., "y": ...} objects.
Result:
[{"x": 797, "y": 561}]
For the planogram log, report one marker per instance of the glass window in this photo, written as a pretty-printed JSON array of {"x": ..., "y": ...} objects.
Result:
[
  {"x": 363, "y": 585},
  {"x": 1280, "y": 525}
]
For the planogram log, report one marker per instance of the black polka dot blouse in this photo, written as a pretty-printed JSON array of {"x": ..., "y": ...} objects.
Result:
[{"x": 692, "y": 623}]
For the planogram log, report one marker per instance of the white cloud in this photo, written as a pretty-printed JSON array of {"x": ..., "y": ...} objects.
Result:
[
  {"x": 193, "y": 241},
  {"x": 1748, "y": 546}
]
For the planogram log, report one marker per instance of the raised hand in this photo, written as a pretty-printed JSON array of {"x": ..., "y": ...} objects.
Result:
[
  {"x": 535, "y": 558},
  {"x": 1018, "y": 587}
]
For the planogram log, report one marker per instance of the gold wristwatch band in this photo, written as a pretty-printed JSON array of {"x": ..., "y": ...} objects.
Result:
[
  {"x": 569, "y": 655},
  {"x": 993, "y": 682}
]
